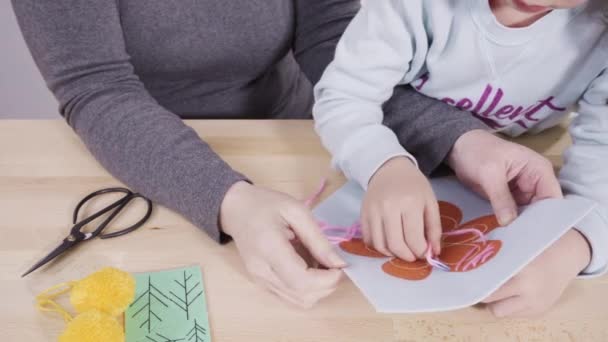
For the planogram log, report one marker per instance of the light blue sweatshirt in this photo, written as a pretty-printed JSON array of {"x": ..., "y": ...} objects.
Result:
[{"x": 514, "y": 79}]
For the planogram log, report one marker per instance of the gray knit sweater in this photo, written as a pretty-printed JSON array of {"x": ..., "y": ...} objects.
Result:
[{"x": 125, "y": 72}]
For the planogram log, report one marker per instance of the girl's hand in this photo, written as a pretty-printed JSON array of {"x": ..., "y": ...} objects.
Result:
[
  {"x": 263, "y": 224},
  {"x": 539, "y": 286},
  {"x": 400, "y": 213}
]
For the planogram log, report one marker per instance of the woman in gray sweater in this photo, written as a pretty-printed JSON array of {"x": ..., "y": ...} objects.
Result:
[{"x": 127, "y": 72}]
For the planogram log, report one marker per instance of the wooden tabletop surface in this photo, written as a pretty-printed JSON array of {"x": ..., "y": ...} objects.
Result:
[{"x": 45, "y": 170}]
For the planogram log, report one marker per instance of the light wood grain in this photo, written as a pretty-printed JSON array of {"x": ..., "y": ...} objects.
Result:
[{"x": 45, "y": 170}]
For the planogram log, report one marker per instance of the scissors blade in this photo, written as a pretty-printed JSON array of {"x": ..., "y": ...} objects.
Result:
[{"x": 65, "y": 245}]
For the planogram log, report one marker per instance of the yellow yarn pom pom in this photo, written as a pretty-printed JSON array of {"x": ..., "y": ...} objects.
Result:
[
  {"x": 109, "y": 290},
  {"x": 93, "y": 326}
]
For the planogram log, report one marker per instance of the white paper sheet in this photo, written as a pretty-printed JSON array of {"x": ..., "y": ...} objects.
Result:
[{"x": 537, "y": 227}]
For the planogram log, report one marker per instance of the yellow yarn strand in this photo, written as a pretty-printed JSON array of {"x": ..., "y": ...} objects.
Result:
[
  {"x": 99, "y": 299},
  {"x": 45, "y": 301}
]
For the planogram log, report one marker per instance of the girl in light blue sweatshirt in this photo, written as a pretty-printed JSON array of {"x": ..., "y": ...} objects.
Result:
[{"x": 517, "y": 65}]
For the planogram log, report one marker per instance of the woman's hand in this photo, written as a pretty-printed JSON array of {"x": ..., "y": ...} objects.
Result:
[
  {"x": 505, "y": 173},
  {"x": 539, "y": 286},
  {"x": 263, "y": 224},
  {"x": 400, "y": 213},
  {"x": 509, "y": 174}
]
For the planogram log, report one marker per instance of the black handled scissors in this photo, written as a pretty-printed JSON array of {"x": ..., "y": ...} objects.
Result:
[{"x": 77, "y": 236}]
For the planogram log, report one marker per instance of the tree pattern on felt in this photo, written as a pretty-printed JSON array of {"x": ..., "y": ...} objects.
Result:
[
  {"x": 197, "y": 334},
  {"x": 149, "y": 298},
  {"x": 187, "y": 299},
  {"x": 160, "y": 338},
  {"x": 457, "y": 250}
]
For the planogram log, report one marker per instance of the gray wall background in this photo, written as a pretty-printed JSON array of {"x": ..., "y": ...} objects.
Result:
[{"x": 23, "y": 94}]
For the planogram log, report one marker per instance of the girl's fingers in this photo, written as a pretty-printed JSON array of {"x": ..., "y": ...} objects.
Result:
[
  {"x": 366, "y": 230},
  {"x": 414, "y": 231},
  {"x": 378, "y": 238},
  {"x": 395, "y": 238},
  {"x": 432, "y": 224}
]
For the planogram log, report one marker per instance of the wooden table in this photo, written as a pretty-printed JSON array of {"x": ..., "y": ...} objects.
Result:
[{"x": 45, "y": 170}]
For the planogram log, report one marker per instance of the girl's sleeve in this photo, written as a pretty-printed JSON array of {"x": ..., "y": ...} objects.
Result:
[
  {"x": 585, "y": 171},
  {"x": 428, "y": 128},
  {"x": 79, "y": 48},
  {"x": 384, "y": 42}
]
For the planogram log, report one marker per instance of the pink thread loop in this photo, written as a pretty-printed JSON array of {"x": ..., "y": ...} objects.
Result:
[
  {"x": 343, "y": 233},
  {"x": 472, "y": 263},
  {"x": 480, "y": 236},
  {"x": 487, "y": 251},
  {"x": 317, "y": 194},
  {"x": 435, "y": 262}
]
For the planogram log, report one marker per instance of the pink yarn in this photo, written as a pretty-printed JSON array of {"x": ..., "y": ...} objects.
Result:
[
  {"x": 317, "y": 194},
  {"x": 345, "y": 233},
  {"x": 435, "y": 262},
  {"x": 338, "y": 234},
  {"x": 480, "y": 236}
]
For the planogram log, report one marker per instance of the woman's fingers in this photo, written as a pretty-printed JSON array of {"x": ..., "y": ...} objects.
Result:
[
  {"x": 496, "y": 187},
  {"x": 304, "y": 300},
  {"x": 511, "y": 306},
  {"x": 282, "y": 270},
  {"x": 547, "y": 186},
  {"x": 263, "y": 224},
  {"x": 508, "y": 290},
  {"x": 330, "y": 279},
  {"x": 300, "y": 220},
  {"x": 279, "y": 290},
  {"x": 293, "y": 271}
]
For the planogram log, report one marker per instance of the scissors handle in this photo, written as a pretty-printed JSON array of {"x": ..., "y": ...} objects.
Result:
[
  {"x": 77, "y": 235},
  {"x": 115, "y": 207}
]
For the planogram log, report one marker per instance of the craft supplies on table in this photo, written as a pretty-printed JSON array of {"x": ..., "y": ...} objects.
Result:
[{"x": 476, "y": 267}]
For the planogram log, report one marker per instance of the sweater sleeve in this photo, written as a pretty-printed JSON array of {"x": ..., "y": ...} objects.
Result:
[
  {"x": 319, "y": 26},
  {"x": 426, "y": 127},
  {"x": 384, "y": 45},
  {"x": 585, "y": 169},
  {"x": 79, "y": 48}
]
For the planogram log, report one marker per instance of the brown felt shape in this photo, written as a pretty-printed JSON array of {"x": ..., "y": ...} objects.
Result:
[
  {"x": 484, "y": 224},
  {"x": 454, "y": 249},
  {"x": 416, "y": 270},
  {"x": 358, "y": 247},
  {"x": 453, "y": 254}
]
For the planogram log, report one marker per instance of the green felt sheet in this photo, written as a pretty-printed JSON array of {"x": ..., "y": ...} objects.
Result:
[{"x": 169, "y": 306}]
